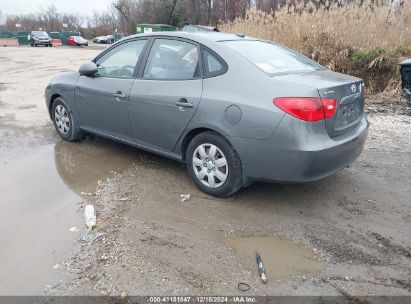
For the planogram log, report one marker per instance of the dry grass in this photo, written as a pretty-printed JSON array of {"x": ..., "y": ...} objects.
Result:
[{"x": 362, "y": 41}]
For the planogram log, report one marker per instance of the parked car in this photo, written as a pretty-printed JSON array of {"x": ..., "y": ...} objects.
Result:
[
  {"x": 39, "y": 38},
  {"x": 109, "y": 39},
  {"x": 77, "y": 40},
  {"x": 234, "y": 109},
  {"x": 99, "y": 39},
  {"x": 199, "y": 28}
]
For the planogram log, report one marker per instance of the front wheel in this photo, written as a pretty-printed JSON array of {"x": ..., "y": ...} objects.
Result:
[
  {"x": 214, "y": 165},
  {"x": 64, "y": 121}
]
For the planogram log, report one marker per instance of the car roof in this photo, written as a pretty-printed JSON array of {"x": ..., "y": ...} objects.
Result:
[{"x": 196, "y": 36}]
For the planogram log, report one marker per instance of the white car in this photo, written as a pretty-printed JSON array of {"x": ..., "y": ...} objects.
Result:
[{"x": 109, "y": 39}]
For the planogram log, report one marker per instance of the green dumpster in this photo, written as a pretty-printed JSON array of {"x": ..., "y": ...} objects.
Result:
[{"x": 149, "y": 28}]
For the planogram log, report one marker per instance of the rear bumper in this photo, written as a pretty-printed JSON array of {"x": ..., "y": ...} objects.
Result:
[
  {"x": 296, "y": 154},
  {"x": 42, "y": 42}
]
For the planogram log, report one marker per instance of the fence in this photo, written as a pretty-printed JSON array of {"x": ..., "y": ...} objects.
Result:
[{"x": 22, "y": 37}]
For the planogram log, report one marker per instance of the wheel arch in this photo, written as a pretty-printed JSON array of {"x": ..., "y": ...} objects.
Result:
[
  {"x": 52, "y": 99},
  {"x": 193, "y": 133},
  {"x": 187, "y": 139}
]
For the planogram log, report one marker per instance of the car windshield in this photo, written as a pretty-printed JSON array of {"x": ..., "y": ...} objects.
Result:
[
  {"x": 271, "y": 58},
  {"x": 41, "y": 34}
]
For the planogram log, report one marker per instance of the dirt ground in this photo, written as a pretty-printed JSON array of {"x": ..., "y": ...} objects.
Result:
[{"x": 349, "y": 234}]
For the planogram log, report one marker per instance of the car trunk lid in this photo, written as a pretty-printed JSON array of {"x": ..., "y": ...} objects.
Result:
[{"x": 348, "y": 91}]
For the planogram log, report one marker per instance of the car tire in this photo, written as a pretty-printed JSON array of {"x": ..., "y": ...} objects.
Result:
[
  {"x": 64, "y": 121},
  {"x": 226, "y": 179}
]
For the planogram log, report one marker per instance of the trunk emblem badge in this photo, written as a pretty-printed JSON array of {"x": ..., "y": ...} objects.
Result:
[{"x": 353, "y": 88}]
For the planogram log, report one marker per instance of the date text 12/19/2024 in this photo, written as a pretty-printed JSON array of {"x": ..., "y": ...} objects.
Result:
[{"x": 202, "y": 299}]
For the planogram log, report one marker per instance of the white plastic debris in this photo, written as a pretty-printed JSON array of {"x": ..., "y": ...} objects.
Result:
[
  {"x": 185, "y": 197},
  {"x": 73, "y": 229},
  {"x": 86, "y": 193},
  {"x": 55, "y": 267},
  {"x": 90, "y": 216}
]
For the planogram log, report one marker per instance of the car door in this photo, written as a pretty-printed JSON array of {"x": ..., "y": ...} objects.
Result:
[
  {"x": 101, "y": 99},
  {"x": 166, "y": 95}
]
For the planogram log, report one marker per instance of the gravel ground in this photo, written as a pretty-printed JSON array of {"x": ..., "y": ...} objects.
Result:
[
  {"x": 352, "y": 230},
  {"x": 357, "y": 224}
]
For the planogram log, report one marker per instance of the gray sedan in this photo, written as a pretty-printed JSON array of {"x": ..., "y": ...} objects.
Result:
[{"x": 235, "y": 109}]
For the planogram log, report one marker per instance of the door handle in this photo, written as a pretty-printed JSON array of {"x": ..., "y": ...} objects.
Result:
[
  {"x": 119, "y": 96},
  {"x": 184, "y": 103}
]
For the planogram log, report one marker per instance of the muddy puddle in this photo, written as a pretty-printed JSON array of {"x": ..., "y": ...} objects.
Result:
[
  {"x": 82, "y": 164},
  {"x": 41, "y": 188},
  {"x": 282, "y": 258}
]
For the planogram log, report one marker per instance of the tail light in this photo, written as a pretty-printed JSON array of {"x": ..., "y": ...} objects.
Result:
[{"x": 307, "y": 108}]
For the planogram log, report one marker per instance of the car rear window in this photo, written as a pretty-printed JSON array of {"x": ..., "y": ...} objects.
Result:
[{"x": 271, "y": 58}]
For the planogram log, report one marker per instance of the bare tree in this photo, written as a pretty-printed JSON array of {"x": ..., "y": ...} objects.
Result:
[
  {"x": 172, "y": 8},
  {"x": 49, "y": 19},
  {"x": 123, "y": 7}
]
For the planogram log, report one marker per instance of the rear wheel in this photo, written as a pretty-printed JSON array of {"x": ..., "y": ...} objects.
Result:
[
  {"x": 214, "y": 165},
  {"x": 64, "y": 121}
]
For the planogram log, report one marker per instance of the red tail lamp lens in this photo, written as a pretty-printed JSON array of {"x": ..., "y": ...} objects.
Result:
[{"x": 307, "y": 108}]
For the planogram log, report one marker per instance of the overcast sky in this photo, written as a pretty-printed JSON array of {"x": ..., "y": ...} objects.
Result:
[{"x": 84, "y": 7}]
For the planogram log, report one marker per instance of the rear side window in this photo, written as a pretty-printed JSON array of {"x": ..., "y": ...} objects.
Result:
[
  {"x": 213, "y": 66},
  {"x": 273, "y": 59},
  {"x": 172, "y": 59}
]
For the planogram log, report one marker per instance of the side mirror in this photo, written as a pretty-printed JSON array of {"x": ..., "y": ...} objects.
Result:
[{"x": 88, "y": 69}]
